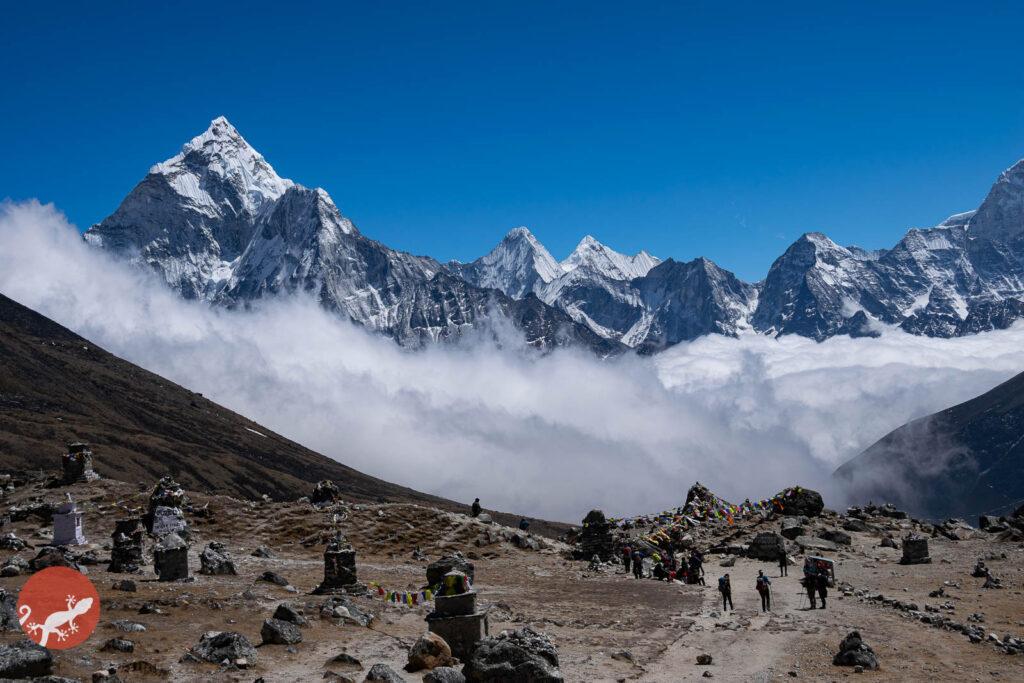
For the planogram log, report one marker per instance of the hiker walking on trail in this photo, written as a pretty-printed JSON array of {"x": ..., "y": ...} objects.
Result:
[
  {"x": 810, "y": 581},
  {"x": 696, "y": 574},
  {"x": 783, "y": 563},
  {"x": 764, "y": 589},
  {"x": 822, "y": 585},
  {"x": 638, "y": 564},
  {"x": 476, "y": 508},
  {"x": 725, "y": 588},
  {"x": 627, "y": 555}
]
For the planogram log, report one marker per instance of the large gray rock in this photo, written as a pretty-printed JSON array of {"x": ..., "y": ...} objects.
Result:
[
  {"x": 522, "y": 656},
  {"x": 836, "y": 536},
  {"x": 24, "y": 659},
  {"x": 814, "y": 543},
  {"x": 853, "y": 651},
  {"x": 279, "y": 632},
  {"x": 766, "y": 546},
  {"x": 457, "y": 561},
  {"x": 792, "y": 527},
  {"x": 444, "y": 674},
  {"x": 383, "y": 672},
  {"x": 214, "y": 560},
  {"x": 216, "y": 646}
]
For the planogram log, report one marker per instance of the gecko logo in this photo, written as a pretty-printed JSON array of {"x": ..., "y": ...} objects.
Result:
[{"x": 58, "y": 608}]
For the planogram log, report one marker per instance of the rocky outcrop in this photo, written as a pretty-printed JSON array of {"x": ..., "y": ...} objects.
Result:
[{"x": 513, "y": 657}]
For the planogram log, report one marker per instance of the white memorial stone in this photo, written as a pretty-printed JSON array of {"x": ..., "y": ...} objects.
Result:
[
  {"x": 167, "y": 520},
  {"x": 67, "y": 525}
]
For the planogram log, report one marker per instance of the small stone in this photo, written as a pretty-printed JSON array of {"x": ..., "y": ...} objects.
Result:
[
  {"x": 383, "y": 672},
  {"x": 704, "y": 660},
  {"x": 279, "y": 632},
  {"x": 118, "y": 645}
]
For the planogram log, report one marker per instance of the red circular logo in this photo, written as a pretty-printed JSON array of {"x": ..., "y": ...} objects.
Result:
[{"x": 58, "y": 608}]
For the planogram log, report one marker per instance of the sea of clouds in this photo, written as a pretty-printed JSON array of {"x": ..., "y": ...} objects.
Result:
[{"x": 550, "y": 436}]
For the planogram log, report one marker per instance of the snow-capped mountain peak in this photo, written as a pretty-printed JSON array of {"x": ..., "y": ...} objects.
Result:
[
  {"x": 1001, "y": 215},
  {"x": 592, "y": 254},
  {"x": 222, "y": 151},
  {"x": 518, "y": 265}
]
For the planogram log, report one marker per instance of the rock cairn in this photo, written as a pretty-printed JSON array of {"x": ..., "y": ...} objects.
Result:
[
  {"x": 126, "y": 553},
  {"x": 915, "y": 550},
  {"x": 170, "y": 558},
  {"x": 456, "y": 618},
  {"x": 595, "y": 538},
  {"x": 76, "y": 464},
  {"x": 167, "y": 493},
  {"x": 325, "y": 493},
  {"x": 457, "y": 561},
  {"x": 339, "y": 568},
  {"x": 853, "y": 651}
]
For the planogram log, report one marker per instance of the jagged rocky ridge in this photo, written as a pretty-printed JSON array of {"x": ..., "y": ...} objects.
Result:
[{"x": 218, "y": 224}]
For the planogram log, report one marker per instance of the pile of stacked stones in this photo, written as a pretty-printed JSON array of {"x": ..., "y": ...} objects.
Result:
[{"x": 595, "y": 539}]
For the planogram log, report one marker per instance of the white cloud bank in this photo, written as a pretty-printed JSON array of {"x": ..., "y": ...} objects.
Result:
[{"x": 549, "y": 436}]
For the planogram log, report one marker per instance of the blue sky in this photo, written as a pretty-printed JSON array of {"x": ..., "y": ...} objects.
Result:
[{"x": 714, "y": 129}]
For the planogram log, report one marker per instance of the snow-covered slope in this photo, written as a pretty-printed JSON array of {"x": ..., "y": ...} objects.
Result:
[{"x": 517, "y": 266}]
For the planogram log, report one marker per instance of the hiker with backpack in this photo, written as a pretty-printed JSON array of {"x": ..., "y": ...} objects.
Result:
[
  {"x": 725, "y": 588},
  {"x": 764, "y": 589}
]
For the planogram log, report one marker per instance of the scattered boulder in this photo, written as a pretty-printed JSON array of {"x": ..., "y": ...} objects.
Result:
[
  {"x": 9, "y": 611},
  {"x": 286, "y": 612},
  {"x": 456, "y": 561},
  {"x": 52, "y": 556},
  {"x": 889, "y": 542},
  {"x": 280, "y": 632},
  {"x": 214, "y": 560},
  {"x": 484, "y": 518},
  {"x": 815, "y": 543},
  {"x": 854, "y": 524},
  {"x": 341, "y": 607},
  {"x": 262, "y": 551},
  {"x": 704, "y": 660},
  {"x": 444, "y": 674},
  {"x": 118, "y": 645},
  {"x": 836, "y": 536},
  {"x": 274, "y": 578},
  {"x": 24, "y": 659},
  {"x": 216, "y": 646},
  {"x": 766, "y": 546},
  {"x": 126, "y": 585},
  {"x": 429, "y": 652},
  {"x": 11, "y": 542},
  {"x": 15, "y": 565},
  {"x": 853, "y": 651},
  {"x": 383, "y": 672},
  {"x": 521, "y": 655}
]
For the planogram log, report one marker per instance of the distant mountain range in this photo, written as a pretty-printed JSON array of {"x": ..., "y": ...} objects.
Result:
[
  {"x": 218, "y": 224},
  {"x": 961, "y": 462}
]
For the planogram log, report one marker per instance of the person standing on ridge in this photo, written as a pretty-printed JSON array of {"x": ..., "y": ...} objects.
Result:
[
  {"x": 476, "y": 508},
  {"x": 764, "y": 589},
  {"x": 783, "y": 563},
  {"x": 627, "y": 555},
  {"x": 725, "y": 588}
]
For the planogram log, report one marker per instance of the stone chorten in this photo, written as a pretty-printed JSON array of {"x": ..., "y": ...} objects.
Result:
[
  {"x": 76, "y": 464},
  {"x": 596, "y": 538},
  {"x": 67, "y": 524},
  {"x": 456, "y": 617},
  {"x": 339, "y": 568},
  {"x": 126, "y": 554},
  {"x": 915, "y": 550},
  {"x": 170, "y": 558},
  {"x": 167, "y": 493}
]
